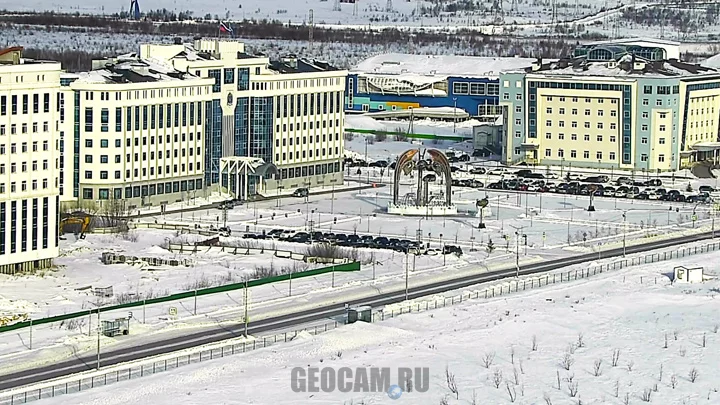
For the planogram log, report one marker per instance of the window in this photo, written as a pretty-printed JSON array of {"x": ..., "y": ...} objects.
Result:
[
  {"x": 647, "y": 89},
  {"x": 645, "y": 102},
  {"x": 587, "y": 124},
  {"x": 548, "y": 123},
  {"x": 613, "y": 138},
  {"x": 561, "y": 110},
  {"x": 599, "y": 138},
  {"x": 561, "y": 124},
  {"x": 613, "y": 113},
  {"x": 548, "y": 152},
  {"x": 46, "y": 102},
  {"x": 598, "y": 155},
  {"x": 644, "y": 127},
  {"x": 662, "y": 128},
  {"x": 643, "y": 157},
  {"x": 477, "y": 88},
  {"x": 229, "y": 74},
  {"x": 661, "y": 141},
  {"x": 574, "y": 124},
  {"x": 573, "y": 137},
  {"x": 506, "y": 96},
  {"x": 600, "y": 125},
  {"x": 561, "y": 153},
  {"x": 663, "y": 115},
  {"x": 561, "y": 136},
  {"x": 573, "y": 154},
  {"x": 548, "y": 135},
  {"x": 517, "y": 134},
  {"x": 587, "y": 112},
  {"x": 612, "y": 155},
  {"x": 658, "y": 102},
  {"x": 586, "y": 154},
  {"x": 493, "y": 89},
  {"x": 574, "y": 111},
  {"x": 548, "y": 110},
  {"x": 600, "y": 113},
  {"x": 517, "y": 151},
  {"x": 461, "y": 88},
  {"x": 661, "y": 158},
  {"x": 586, "y": 137},
  {"x": 518, "y": 109},
  {"x": 644, "y": 140},
  {"x": 88, "y": 119}
]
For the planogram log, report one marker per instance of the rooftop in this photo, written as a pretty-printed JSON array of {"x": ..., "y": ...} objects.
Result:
[
  {"x": 293, "y": 64},
  {"x": 443, "y": 65},
  {"x": 625, "y": 66},
  {"x": 12, "y": 56},
  {"x": 130, "y": 68}
]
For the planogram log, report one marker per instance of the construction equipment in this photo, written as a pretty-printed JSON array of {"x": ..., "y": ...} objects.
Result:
[{"x": 76, "y": 218}]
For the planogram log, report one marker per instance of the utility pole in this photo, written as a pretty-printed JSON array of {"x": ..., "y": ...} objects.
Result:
[
  {"x": 518, "y": 235},
  {"x": 246, "y": 307},
  {"x": 407, "y": 277},
  {"x": 310, "y": 31},
  {"x": 98, "y": 338},
  {"x": 624, "y": 230}
]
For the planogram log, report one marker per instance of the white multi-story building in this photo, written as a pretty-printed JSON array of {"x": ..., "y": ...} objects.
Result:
[
  {"x": 132, "y": 129},
  {"x": 288, "y": 112},
  {"x": 29, "y": 153}
]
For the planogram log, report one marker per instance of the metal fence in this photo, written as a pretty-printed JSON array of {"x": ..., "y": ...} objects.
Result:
[
  {"x": 122, "y": 372},
  {"x": 158, "y": 364},
  {"x": 535, "y": 281}
]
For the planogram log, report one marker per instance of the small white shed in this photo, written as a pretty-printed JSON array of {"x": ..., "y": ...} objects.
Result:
[{"x": 686, "y": 275}]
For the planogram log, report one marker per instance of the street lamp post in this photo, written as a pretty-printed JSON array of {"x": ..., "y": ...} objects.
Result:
[
  {"x": 442, "y": 249},
  {"x": 624, "y": 230},
  {"x": 407, "y": 276},
  {"x": 454, "y": 114}
]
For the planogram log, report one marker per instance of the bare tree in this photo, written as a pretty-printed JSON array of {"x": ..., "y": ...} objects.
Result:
[
  {"x": 660, "y": 376},
  {"x": 444, "y": 400},
  {"x": 488, "y": 359},
  {"x": 630, "y": 365},
  {"x": 547, "y": 399},
  {"x": 666, "y": 344},
  {"x": 703, "y": 340},
  {"x": 520, "y": 363},
  {"x": 693, "y": 375},
  {"x": 675, "y": 334},
  {"x": 615, "y": 357},
  {"x": 715, "y": 328},
  {"x": 626, "y": 399},
  {"x": 534, "y": 345},
  {"x": 473, "y": 400},
  {"x": 580, "y": 342},
  {"x": 511, "y": 391},
  {"x": 646, "y": 394},
  {"x": 617, "y": 388},
  {"x": 497, "y": 377},
  {"x": 512, "y": 354},
  {"x": 557, "y": 374},
  {"x": 451, "y": 384},
  {"x": 673, "y": 381},
  {"x": 573, "y": 388},
  {"x": 567, "y": 361},
  {"x": 597, "y": 368},
  {"x": 516, "y": 376}
]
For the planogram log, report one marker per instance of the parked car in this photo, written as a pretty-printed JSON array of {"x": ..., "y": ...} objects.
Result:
[
  {"x": 301, "y": 192},
  {"x": 477, "y": 170},
  {"x": 706, "y": 189}
]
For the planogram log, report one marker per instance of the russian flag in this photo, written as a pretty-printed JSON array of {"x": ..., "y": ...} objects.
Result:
[{"x": 225, "y": 28}]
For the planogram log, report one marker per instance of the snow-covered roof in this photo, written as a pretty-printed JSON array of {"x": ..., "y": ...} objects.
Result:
[
  {"x": 639, "y": 40},
  {"x": 626, "y": 66},
  {"x": 442, "y": 65},
  {"x": 712, "y": 62},
  {"x": 131, "y": 69}
]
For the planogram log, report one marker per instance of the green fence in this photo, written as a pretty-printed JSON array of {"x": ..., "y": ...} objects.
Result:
[
  {"x": 409, "y": 135},
  {"x": 354, "y": 266}
]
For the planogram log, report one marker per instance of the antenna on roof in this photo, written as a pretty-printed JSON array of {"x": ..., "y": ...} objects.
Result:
[{"x": 310, "y": 31}]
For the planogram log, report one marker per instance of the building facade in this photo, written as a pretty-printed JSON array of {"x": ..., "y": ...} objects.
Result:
[
  {"x": 29, "y": 161},
  {"x": 611, "y": 108},
  {"x": 132, "y": 130},
  {"x": 392, "y": 82},
  {"x": 288, "y": 112}
]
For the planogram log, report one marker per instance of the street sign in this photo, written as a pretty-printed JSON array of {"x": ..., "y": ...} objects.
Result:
[
  {"x": 544, "y": 237},
  {"x": 173, "y": 311},
  {"x": 694, "y": 217}
]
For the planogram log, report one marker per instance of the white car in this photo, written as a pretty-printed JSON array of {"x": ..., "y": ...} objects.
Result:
[
  {"x": 621, "y": 194},
  {"x": 497, "y": 172}
]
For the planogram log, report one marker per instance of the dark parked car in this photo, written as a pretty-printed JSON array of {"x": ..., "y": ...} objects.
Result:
[
  {"x": 706, "y": 189},
  {"x": 379, "y": 163},
  {"x": 654, "y": 182},
  {"x": 477, "y": 170},
  {"x": 301, "y": 192}
]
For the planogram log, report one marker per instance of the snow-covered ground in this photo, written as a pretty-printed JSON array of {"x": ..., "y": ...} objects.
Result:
[{"x": 661, "y": 334}]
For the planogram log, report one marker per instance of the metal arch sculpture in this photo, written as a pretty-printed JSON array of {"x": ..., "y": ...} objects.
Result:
[{"x": 405, "y": 165}]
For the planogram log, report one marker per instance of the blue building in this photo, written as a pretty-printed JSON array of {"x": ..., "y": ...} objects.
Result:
[{"x": 392, "y": 82}]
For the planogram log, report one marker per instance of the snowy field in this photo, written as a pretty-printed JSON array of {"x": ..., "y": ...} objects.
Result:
[{"x": 609, "y": 339}]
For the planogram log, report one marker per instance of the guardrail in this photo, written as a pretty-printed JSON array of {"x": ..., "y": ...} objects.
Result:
[
  {"x": 353, "y": 266},
  {"x": 245, "y": 251},
  {"x": 122, "y": 372},
  {"x": 157, "y": 364},
  {"x": 534, "y": 281}
]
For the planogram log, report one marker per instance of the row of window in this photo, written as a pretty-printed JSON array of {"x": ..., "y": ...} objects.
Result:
[
  {"x": 34, "y": 185},
  {"x": 598, "y": 155},
  {"x": 25, "y": 104},
  {"x": 700, "y": 111},
  {"x": 24, "y": 166},
  {"x": 105, "y": 143},
  {"x": 24, "y": 128},
  {"x": 325, "y": 138},
  {"x": 24, "y": 147},
  {"x": 309, "y": 153},
  {"x": 301, "y": 105},
  {"x": 310, "y": 170},
  {"x": 598, "y": 138},
  {"x": 662, "y": 90},
  {"x": 136, "y": 172},
  {"x": 153, "y": 116},
  {"x": 586, "y": 124},
  {"x": 476, "y": 89},
  {"x": 182, "y": 152},
  {"x": 144, "y": 191},
  {"x": 296, "y": 127},
  {"x": 574, "y": 111},
  {"x": 143, "y": 94},
  {"x": 20, "y": 220}
]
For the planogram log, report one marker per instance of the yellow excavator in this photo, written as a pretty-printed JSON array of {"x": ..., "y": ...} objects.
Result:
[{"x": 76, "y": 218}]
